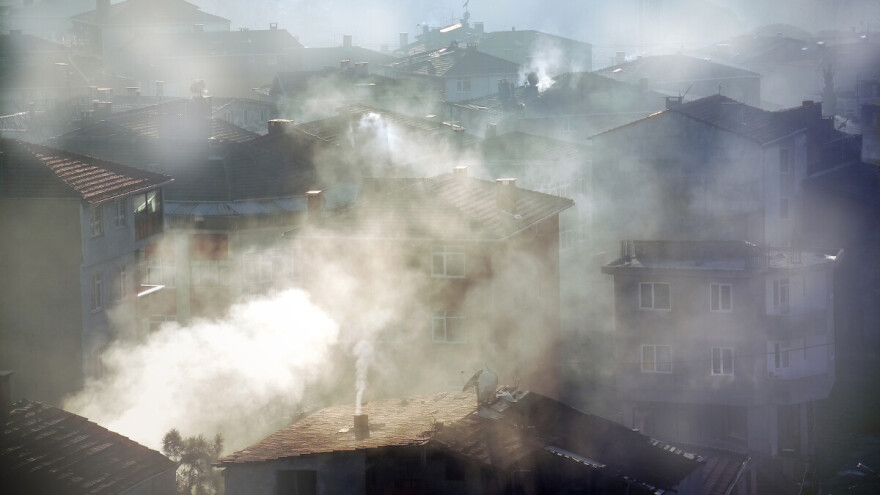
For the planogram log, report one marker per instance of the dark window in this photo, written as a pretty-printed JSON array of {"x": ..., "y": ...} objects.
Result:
[
  {"x": 147, "y": 214},
  {"x": 297, "y": 482}
]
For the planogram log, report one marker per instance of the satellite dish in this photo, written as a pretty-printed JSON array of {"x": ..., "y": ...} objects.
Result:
[{"x": 485, "y": 382}]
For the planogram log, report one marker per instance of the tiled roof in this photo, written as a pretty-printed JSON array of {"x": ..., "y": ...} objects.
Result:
[
  {"x": 48, "y": 450},
  {"x": 447, "y": 206},
  {"x": 34, "y": 171},
  {"x": 171, "y": 117},
  {"x": 725, "y": 113},
  {"x": 393, "y": 422},
  {"x": 455, "y": 61},
  {"x": 508, "y": 429},
  {"x": 140, "y": 12},
  {"x": 573, "y": 93},
  {"x": 335, "y": 129},
  {"x": 671, "y": 68}
]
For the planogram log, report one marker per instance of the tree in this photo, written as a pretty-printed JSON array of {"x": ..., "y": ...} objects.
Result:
[{"x": 194, "y": 457}]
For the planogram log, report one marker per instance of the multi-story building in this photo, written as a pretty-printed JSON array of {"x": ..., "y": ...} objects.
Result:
[
  {"x": 72, "y": 228},
  {"x": 460, "y": 72},
  {"x": 449, "y": 273},
  {"x": 723, "y": 343}
]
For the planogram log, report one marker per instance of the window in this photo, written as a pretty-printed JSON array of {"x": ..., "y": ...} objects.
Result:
[
  {"x": 780, "y": 295},
  {"x": 654, "y": 296},
  {"x": 447, "y": 261},
  {"x": 297, "y": 482},
  {"x": 784, "y": 161},
  {"x": 97, "y": 291},
  {"x": 96, "y": 216},
  {"x": 722, "y": 361},
  {"x": 656, "y": 359},
  {"x": 780, "y": 356},
  {"x": 720, "y": 298},
  {"x": 147, "y": 214},
  {"x": 121, "y": 287},
  {"x": 448, "y": 327},
  {"x": 463, "y": 85},
  {"x": 121, "y": 211}
]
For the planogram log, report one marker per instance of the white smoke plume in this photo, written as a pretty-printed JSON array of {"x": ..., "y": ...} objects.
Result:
[
  {"x": 227, "y": 376},
  {"x": 364, "y": 352}
]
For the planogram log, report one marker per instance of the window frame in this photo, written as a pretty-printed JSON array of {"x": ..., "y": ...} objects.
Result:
[
  {"x": 463, "y": 85},
  {"x": 781, "y": 356},
  {"x": 655, "y": 361},
  {"x": 720, "y": 307},
  {"x": 96, "y": 220},
  {"x": 444, "y": 317},
  {"x": 779, "y": 302},
  {"x": 121, "y": 282},
  {"x": 446, "y": 252},
  {"x": 653, "y": 305},
  {"x": 121, "y": 215},
  {"x": 97, "y": 296},
  {"x": 722, "y": 369}
]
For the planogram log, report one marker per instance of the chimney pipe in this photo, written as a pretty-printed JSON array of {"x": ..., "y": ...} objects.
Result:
[
  {"x": 361, "y": 426},
  {"x": 362, "y": 69},
  {"x": 313, "y": 204},
  {"x": 344, "y": 64},
  {"x": 277, "y": 126},
  {"x": 505, "y": 194}
]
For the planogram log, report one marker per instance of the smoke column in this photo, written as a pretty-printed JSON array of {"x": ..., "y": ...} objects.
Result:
[
  {"x": 364, "y": 352},
  {"x": 237, "y": 376}
]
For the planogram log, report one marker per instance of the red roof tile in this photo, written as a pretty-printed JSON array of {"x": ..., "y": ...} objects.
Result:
[
  {"x": 48, "y": 450},
  {"x": 393, "y": 422},
  {"x": 33, "y": 171}
]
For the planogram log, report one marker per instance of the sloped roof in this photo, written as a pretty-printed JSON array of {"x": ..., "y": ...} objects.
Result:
[
  {"x": 725, "y": 113},
  {"x": 455, "y": 61},
  {"x": 393, "y": 422},
  {"x": 150, "y": 122},
  {"x": 334, "y": 129},
  {"x": 522, "y": 43},
  {"x": 135, "y": 12},
  {"x": 34, "y": 171},
  {"x": 507, "y": 429},
  {"x": 573, "y": 93},
  {"x": 21, "y": 44},
  {"x": 447, "y": 206},
  {"x": 48, "y": 450},
  {"x": 671, "y": 68}
]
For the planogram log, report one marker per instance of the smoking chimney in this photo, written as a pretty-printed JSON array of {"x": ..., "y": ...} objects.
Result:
[
  {"x": 404, "y": 39},
  {"x": 362, "y": 69},
  {"x": 505, "y": 194},
  {"x": 361, "y": 426},
  {"x": 313, "y": 204},
  {"x": 461, "y": 172},
  {"x": 346, "y": 40}
]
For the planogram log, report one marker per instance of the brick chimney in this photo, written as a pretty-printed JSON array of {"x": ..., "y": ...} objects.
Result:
[
  {"x": 505, "y": 194},
  {"x": 361, "y": 426}
]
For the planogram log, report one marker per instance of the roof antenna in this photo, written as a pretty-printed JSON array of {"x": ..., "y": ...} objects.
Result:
[{"x": 485, "y": 382}]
